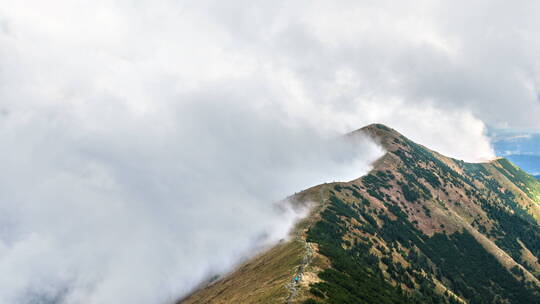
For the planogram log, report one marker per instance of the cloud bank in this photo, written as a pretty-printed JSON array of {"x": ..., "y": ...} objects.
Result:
[
  {"x": 140, "y": 209},
  {"x": 144, "y": 142}
]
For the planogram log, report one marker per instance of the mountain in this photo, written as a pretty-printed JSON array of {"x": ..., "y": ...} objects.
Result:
[
  {"x": 418, "y": 228},
  {"x": 519, "y": 146}
]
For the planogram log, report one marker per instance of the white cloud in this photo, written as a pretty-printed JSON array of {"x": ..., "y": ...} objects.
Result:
[{"x": 126, "y": 207}]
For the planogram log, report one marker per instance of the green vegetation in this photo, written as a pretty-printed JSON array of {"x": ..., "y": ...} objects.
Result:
[
  {"x": 508, "y": 226},
  {"x": 355, "y": 277},
  {"x": 512, "y": 227},
  {"x": 410, "y": 194},
  {"x": 472, "y": 272},
  {"x": 456, "y": 260}
]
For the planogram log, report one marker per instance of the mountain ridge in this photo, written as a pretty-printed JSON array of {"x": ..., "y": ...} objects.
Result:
[{"x": 377, "y": 239}]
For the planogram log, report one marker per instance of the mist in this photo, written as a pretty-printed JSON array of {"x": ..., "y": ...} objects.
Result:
[
  {"x": 116, "y": 206},
  {"x": 144, "y": 145}
]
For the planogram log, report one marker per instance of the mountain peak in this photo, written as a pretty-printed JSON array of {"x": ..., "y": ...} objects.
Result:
[
  {"x": 382, "y": 134},
  {"x": 378, "y": 126}
]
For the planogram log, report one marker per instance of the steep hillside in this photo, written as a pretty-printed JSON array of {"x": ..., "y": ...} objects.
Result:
[{"x": 419, "y": 228}]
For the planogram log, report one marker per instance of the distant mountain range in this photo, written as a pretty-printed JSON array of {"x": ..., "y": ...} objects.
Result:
[
  {"x": 529, "y": 163},
  {"x": 520, "y": 147},
  {"x": 419, "y": 228}
]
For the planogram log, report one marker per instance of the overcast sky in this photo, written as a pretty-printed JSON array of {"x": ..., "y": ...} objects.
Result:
[{"x": 143, "y": 143}]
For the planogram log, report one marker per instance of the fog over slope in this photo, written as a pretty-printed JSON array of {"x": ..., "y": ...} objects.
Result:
[
  {"x": 144, "y": 143},
  {"x": 140, "y": 209}
]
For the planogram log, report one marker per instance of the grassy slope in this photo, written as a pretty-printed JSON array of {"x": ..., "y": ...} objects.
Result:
[
  {"x": 260, "y": 280},
  {"x": 263, "y": 279},
  {"x": 527, "y": 183}
]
